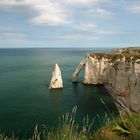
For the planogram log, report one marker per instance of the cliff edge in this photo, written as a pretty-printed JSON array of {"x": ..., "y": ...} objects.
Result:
[{"x": 118, "y": 71}]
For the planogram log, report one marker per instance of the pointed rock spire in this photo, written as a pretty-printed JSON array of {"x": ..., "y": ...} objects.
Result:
[{"x": 56, "y": 81}]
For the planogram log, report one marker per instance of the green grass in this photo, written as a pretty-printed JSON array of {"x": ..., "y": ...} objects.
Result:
[
  {"x": 68, "y": 129},
  {"x": 131, "y": 54},
  {"x": 125, "y": 127}
]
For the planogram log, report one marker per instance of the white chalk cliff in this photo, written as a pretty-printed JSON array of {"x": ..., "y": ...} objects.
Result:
[
  {"x": 56, "y": 81},
  {"x": 119, "y": 72}
]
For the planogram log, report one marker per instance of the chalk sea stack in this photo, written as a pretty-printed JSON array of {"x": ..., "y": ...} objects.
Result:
[{"x": 56, "y": 81}]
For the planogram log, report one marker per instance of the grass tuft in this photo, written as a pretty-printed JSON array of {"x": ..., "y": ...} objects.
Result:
[{"x": 70, "y": 130}]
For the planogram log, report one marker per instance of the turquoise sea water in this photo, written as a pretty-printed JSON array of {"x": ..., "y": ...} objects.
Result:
[{"x": 25, "y": 99}]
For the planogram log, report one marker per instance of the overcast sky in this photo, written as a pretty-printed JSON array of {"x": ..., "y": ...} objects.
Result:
[{"x": 69, "y": 23}]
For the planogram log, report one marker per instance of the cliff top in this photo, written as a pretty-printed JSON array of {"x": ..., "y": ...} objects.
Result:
[
  {"x": 129, "y": 51},
  {"x": 132, "y": 53}
]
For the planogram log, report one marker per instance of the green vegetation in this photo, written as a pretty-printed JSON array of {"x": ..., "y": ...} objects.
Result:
[
  {"x": 133, "y": 50},
  {"x": 110, "y": 56},
  {"x": 132, "y": 53},
  {"x": 125, "y": 127},
  {"x": 67, "y": 129}
]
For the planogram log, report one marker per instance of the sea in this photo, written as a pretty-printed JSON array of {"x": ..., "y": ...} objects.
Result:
[{"x": 26, "y": 101}]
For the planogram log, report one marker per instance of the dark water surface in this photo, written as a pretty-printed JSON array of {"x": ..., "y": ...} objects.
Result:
[{"x": 24, "y": 96}]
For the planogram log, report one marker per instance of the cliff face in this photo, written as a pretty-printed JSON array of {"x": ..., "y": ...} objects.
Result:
[{"x": 119, "y": 72}]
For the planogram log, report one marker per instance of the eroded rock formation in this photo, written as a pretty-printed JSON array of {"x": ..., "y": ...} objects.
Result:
[
  {"x": 56, "y": 81},
  {"x": 119, "y": 72}
]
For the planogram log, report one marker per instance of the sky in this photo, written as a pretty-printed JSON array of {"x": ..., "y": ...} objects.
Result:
[{"x": 69, "y": 23}]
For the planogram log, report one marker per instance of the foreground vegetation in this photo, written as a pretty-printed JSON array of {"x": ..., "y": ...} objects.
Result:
[{"x": 126, "y": 127}]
